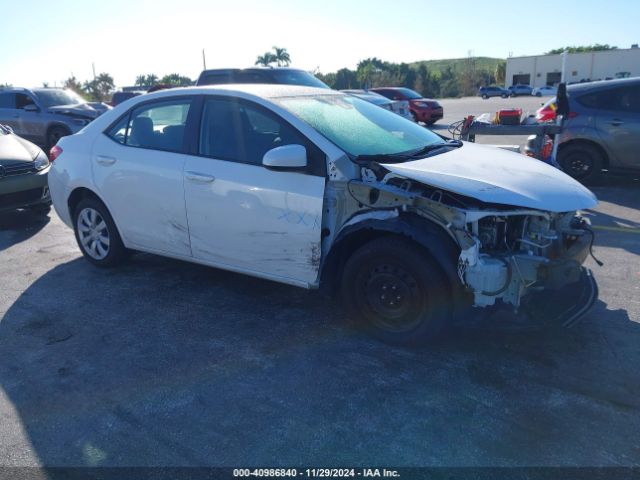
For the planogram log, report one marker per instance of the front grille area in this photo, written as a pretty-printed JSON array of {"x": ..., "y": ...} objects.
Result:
[
  {"x": 19, "y": 169},
  {"x": 21, "y": 198}
]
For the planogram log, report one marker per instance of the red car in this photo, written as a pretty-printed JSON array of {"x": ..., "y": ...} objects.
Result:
[
  {"x": 547, "y": 112},
  {"x": 423, "y": 109}
]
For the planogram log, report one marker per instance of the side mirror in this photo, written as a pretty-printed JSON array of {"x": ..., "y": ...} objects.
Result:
[
  {"x": 287, "y": 156},
  {"x": 31, "y": 108}
]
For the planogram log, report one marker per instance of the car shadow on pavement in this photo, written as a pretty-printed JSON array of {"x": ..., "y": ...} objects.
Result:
[
  {"x": 162, "y": 362},
  {"x": 23, "y": 223}
]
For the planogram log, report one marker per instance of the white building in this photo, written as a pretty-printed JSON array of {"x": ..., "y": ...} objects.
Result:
[{"x": 540, "y": 70}]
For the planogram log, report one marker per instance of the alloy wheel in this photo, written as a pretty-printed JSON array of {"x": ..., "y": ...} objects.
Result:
[{"x": 93, "y": 233}]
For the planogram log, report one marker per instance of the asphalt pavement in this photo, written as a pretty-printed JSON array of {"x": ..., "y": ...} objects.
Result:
[{"x": 456, "y": 109}]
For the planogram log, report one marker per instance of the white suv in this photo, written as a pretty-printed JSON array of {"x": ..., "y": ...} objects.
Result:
[{"x": 309, "y": 186}]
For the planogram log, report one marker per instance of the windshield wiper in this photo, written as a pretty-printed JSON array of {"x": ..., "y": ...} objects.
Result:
[{"x": 404, "y": 156}]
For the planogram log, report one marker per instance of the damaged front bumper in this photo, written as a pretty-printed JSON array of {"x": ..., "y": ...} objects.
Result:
[
  {"x": 512, "y": 278},
  {"x": 567, "y": 305}
]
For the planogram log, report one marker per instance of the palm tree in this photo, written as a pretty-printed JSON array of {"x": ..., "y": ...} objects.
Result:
[
  {"x": 281, "y": 56},
  {"x": 265, "y": 60}
]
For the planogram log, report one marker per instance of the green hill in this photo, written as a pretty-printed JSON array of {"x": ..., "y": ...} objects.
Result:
[{"x": 458, "y": 64}]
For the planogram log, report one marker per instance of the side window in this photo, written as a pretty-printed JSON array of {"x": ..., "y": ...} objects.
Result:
[
  {"x": 22, "y": 100},
  {"x": 158, "y": 126},
  {"x": 242, "y": 133},
  {"x": 7, "y": 100},
  {"x": 594, "y": 100},
  {"x": 118, "y": 132},
  {"x": 626, "y": 99}
]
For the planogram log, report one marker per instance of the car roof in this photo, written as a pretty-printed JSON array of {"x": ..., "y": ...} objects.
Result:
[
  {"x": 257, "y": 89},
  {"x": 586, "y": 86},
  {"x": 260, "y": 69},
  {"x": 14, "y": 90}
]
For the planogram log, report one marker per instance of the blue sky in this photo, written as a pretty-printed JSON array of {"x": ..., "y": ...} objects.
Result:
[{"x": 48, "y": 41}]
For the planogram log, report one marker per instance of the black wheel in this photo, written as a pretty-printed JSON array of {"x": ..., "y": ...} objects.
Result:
[
  {"x": 485, "y": 96},
  {"x": 415, "y": 117},
  {"x": 504, "y": 95},
  {"x": 538, "y": 94},
  {"x": 97, "y": 235},
  {"x": 582, "y": 162},
  {"x": 392, "y": 288},
  {"x": 54, "y": 134}
]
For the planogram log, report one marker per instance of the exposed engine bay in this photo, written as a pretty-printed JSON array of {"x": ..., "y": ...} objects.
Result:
[
  {"x": 506, "y": 251},
  {"x": 515, "y": 252}
]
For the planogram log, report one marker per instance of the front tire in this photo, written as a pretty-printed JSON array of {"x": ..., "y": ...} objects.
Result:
[
  {"x": 97, "y": 235},
  {"x": 392, "y": 288},
  {"x": 582, "y": 162}
]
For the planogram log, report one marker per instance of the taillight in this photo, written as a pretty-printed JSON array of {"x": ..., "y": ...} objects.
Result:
[
  {"x": 54, "y": 152},
  {"x": 573, "y": 114}
]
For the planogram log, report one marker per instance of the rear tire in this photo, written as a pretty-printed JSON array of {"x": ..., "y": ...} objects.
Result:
[
  {"x": 97, "y": 235},
  {"x": 504, "y": 95},
  {"x": 396, "y": 291},
  {"x": 485, "y": 96},
  {"x": 582, "y": 162}
]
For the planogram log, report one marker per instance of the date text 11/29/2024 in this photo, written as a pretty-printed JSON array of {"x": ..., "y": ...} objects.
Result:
[{"x": 317, "y": 472}]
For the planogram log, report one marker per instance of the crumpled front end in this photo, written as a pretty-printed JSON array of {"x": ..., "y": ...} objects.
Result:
[{"x": 513, "y": 254}]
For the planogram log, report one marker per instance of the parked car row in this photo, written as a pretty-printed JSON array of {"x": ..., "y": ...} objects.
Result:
[
  {"x": 515, "y": 91},
  {"x": 422, "y": 109}
]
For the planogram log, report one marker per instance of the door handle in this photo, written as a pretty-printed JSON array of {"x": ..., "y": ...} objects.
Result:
[
  {"x": 105, "y": 160},
  {"x": 616, "y": 122},
  {"x": 199, "y": 177}
]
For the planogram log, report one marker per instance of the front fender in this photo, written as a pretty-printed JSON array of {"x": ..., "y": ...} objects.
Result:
[{"x": 435, "y": 240}]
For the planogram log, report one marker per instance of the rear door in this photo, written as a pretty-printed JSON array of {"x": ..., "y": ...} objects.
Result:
[
  {"x": 246, "y": 217},
  {"x": 137, "y": 168},
  {"x": 618, "y": 122}
]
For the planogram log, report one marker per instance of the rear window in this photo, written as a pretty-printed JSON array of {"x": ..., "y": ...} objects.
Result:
[
  {"x": 593, "y": 100},
  {"x": 296, "y": 77}
]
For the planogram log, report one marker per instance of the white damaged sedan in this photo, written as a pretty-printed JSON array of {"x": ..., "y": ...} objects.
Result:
[{"x": 310, "y": 187}]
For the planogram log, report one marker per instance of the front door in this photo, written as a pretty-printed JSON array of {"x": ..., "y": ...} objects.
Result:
[
  {"x": 137, "y": 168},
  {"x": 242, "y": 215}
]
